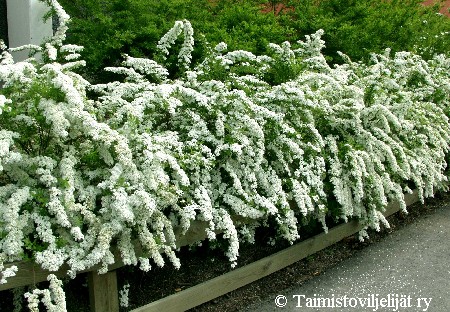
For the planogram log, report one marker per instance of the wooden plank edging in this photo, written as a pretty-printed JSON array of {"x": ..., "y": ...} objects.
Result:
[{"x": 218, "y": 286}]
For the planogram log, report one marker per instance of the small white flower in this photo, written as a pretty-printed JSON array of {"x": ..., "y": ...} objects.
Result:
[{"x": 123, "y": 295}]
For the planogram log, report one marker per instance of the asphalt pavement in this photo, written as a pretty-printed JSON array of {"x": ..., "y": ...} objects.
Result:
[{"x": 407, "y": 271}]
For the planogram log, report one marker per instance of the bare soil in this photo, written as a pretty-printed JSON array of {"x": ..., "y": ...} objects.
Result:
[{"x": 445, "y": 8}]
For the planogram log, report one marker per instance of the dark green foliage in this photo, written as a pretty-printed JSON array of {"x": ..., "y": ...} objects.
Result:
[
  {"x": 359, "y": 27},
  {"x": 108, "y": 29}
]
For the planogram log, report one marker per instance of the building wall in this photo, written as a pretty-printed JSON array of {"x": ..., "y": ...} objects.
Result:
[{"x": 26, "y": 25}]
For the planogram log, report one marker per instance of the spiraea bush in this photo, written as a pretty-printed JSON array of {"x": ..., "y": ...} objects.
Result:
[{"x": 275, "y": 139}]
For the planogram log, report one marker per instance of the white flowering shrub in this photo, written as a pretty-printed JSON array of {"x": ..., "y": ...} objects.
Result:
[{"x": 271, "y": 139}]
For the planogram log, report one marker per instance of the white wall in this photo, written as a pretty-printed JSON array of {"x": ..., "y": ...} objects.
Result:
[{"x": 26, "y": 25}]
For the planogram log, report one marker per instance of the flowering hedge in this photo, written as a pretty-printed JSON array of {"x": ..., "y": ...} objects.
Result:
[{"x": 276, "y": 139}]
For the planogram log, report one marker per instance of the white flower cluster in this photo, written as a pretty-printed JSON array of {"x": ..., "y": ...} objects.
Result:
[
  {"x": 81, "y": 178},
  {"x": 53, "y": 298},
  {"x": 168, "y": 40},
  {"x": 7, "y": 272},
  {"x": 123, "y": 295}
]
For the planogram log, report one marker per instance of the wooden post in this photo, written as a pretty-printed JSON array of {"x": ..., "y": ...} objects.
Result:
[{"x": 103, "y": 292}]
